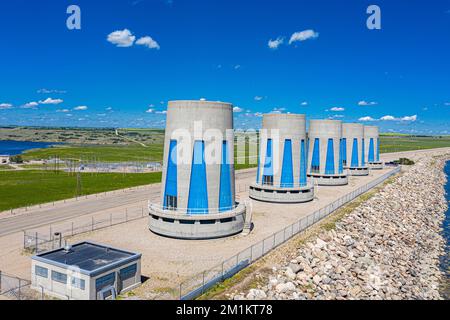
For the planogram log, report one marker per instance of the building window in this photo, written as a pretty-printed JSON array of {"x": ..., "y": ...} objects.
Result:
[
  {"x": 170, "y": 203},
  {"x": 105, "y": 281},
  {"x": 128, "y": 272},
  {"x": 78, "y": 283},
  {"x": 59, "y": 277},
  {"x": 41, "y": 271}
]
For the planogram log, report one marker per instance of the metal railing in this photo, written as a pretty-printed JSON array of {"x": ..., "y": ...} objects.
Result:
[
  {"x": 37, "y": 241},
  {"x": 199, "y": 284},
  {"x": 16, "y": 288}
]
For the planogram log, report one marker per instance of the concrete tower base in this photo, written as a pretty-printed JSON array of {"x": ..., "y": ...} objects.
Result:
[
  {"x": 376, "y": 165},
  {"x": 281, "y": 195},
  {"x": 329, "y": 180},
  {"x": 358, "y": 171},
  {"x": 175, "y": 224}
]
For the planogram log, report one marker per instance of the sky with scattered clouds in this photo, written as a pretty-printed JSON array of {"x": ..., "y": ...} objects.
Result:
[{"x": 312, "y": 57}]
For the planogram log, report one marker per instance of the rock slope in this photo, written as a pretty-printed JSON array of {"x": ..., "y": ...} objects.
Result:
[{"x": 387, "y": 248}]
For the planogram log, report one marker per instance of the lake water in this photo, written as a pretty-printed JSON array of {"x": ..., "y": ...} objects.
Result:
[
  {"x": 17, "y": 147},
  {"x": 445, "y": 259}
]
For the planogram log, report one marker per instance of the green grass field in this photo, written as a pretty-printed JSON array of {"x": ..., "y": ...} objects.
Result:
[
  {"x": 100, "y": 153},
  {"x": 30, "y": 187},
  {"x": 398, "y": 143}
]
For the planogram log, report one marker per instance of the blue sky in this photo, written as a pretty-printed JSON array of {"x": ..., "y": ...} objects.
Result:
[{"x": 397, "y": 77}]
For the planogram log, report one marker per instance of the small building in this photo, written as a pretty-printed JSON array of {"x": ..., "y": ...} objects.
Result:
[
  {"x": 5, "y": 159},
  {"x": 86, "y": 271}
]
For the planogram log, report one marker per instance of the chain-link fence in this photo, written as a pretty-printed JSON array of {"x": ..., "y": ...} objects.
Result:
[
  {"x": 40, "y": 241},
  {"x": 15, "y": 288},
  {"x": 197, "y": 285}
]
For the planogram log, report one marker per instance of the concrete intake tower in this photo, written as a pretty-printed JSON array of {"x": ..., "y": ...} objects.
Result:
[
  {"x": 325, "y": 164},
  {"x": 198, "y": 184},
  {"x": 281, "y": 175}
]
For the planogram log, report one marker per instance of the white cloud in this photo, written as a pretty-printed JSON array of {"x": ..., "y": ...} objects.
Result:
[
  {"x": 51, "y": 101},
  {"x": 63, "y": 110},
  {"x": 367, "y": 118},
  {"x": 150, "y": 110},
  {"x": 274, "y": 44},
  {"x": 108, "y": 109},
  {"x": 162, "y": 112},
  {"x": 337, "y": 109},
  {"x": 409, "y": 118},
  {"x": 48, "y": 91},
  {"x": 278, "y": 110},
  {"x": 258, "y": 114},
  {"x": 237, "y": 109},
  {"x": 303, "y": 36},
  {"x": 122, "y": 38},
  {"x": 30, "y": 105},
  {"x": 148, "y": 42},
  {"x": 447, "y": 103},
  {"x": 304, "y": 103},
  {"x": 405, "y": 118},
  {"x": 238, "y": 66},
  {"x": 4, "y": 106},
  {"x": 366, "y": 103},
  {"x": 258, "y": 98},
  {"x": 80, "y": 108},
  {"x": 387, "y": 118}
]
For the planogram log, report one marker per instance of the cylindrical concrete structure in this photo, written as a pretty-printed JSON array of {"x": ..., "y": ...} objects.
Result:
[
  {"x": 281, "y": 174},
  {"x": 198, "y": 186},
  {"x": 372, "y": 147},
  {"x": 325, "y": 153},
  {"x": 353, "y": 144}
]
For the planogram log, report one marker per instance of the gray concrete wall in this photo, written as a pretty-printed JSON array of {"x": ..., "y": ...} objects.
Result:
[{"x": 200, "y": 120}]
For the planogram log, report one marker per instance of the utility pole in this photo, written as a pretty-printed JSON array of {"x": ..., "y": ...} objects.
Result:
[{"x": 79, "y": 185}]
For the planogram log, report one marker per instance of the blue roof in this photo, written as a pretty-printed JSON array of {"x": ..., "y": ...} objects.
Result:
[{"x": 91, "y": 258}]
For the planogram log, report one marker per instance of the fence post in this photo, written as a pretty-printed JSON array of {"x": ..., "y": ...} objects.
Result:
[
  {"x": 36, "y": 240},
  {"x": 72, "y": 228},
  {"x": 92, "y": 229},
  {"x": 24, "y": 239}
]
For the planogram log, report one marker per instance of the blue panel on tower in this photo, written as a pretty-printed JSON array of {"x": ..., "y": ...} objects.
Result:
[
  {"x": 329, "y": 166},
  {"x": 315, "y": 162},
  {"x": 378, "y": 149},
  {"x": 371, "y": 151},
  {"x": 344, "y": 151},
  {"x": 171, "y": 174},
  {"x": 287, "y": 173},
  {"x": 355, "y": 159},
  {"x": 225, "y": 201},
  {"x": 198, "y": 190},
  {"x": 341, "y": 156},
  {"x": 268, "y": 165},
  {"x": 303, "y": 180}
]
